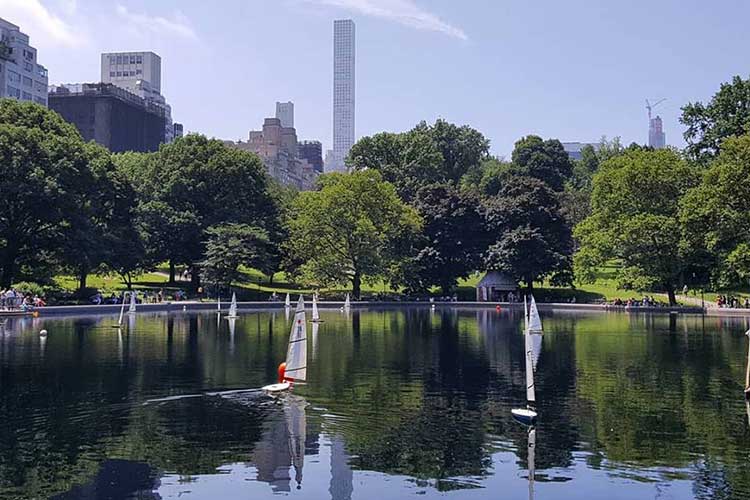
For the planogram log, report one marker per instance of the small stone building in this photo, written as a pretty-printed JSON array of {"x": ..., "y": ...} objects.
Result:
[{"x": 497, "y": 287}]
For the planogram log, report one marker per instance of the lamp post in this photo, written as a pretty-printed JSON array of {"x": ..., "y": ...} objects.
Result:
[{"x": 703, "y": 302}]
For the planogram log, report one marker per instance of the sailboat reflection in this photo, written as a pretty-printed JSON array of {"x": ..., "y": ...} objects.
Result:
[
  {"x": 283, "y": 446},
  {"x": 232, "y": 326},
  {"x": 531, "y": 439}
]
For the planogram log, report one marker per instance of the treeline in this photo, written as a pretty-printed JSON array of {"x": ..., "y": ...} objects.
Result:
[{"x": 420, "y": 209}]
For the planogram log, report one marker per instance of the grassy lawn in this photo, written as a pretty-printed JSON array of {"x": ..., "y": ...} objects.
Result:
[{"x": 256, "y": 286}]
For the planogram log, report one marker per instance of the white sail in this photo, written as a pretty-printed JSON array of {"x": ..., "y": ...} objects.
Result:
[
  {"x": 218, "y": 303},
  {"x": 296, "y": 423},
  {"x": 525, "y": 315},
  {"x": 315, "y": 314},
  {"x": 530, "y": 389},
  {"x": 347, "y": 303},
  {"x": 233, "y": 306},
  {"x": 131, "y": 309},
  {"x": 287, "y": 301},
  {"x": 535, "y": 322},
  {"x": 296, "y": 356},
  {"x": 122, "y": 311},
  {"x": 536, "y": 348}
]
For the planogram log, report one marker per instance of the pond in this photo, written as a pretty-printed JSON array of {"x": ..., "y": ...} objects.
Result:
[{"x": 400, "y": 403}]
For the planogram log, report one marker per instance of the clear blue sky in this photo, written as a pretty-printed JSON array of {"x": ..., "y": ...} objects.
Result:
[{"x": 574, "y": 70}]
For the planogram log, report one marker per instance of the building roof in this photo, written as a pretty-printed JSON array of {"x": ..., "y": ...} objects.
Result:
[{"x": 498, "y": 280}]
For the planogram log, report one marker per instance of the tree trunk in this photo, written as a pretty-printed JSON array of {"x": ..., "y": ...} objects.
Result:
[
  {"x": 670, "y": 294},
  {"x": 82, "y": 275},
  {"x": 530, "y": 286},
  {"x": 9, "y": 266},
  {"x": 195, "y": 279},
  {"x": 356, "y": 285},
  {"x": 270, "y": 278},
  {"x": 171, "y": 272}
]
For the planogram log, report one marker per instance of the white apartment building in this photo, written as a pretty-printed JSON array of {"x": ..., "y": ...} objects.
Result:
[
  {"x": 285, "y": 113},
  {"x": 140, "y": 74},
  {"x": 21, "y": 76},
  {"x": 343, "y": 93}
]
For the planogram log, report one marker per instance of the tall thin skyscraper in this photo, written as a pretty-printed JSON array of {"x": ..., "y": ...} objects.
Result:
[
  {"x": 656, "y": 136},
  {"x": 343, "y": 93}
]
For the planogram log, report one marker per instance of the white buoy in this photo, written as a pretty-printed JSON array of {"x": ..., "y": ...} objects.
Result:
[{"x": 43, "y": 333}]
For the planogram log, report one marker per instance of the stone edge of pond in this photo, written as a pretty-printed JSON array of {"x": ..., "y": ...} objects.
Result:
[{"x": 190, "y": 306}]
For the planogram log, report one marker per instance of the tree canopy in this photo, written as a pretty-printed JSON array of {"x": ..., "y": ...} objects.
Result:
[
  {"x": 727, "y": 114},
  {"x": 347, "y": 231},
  {"x": 635, "y": 220}
]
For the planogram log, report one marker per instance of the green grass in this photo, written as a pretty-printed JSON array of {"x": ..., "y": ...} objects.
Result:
[{"x": 256, "y": 286}]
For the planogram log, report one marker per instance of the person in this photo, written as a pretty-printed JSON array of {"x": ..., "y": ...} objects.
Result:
[{"x": 685, "y": 290}]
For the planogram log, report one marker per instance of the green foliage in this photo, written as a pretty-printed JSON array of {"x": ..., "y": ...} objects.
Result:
[
  {"x": 531, "y": 239},
  {"x": 228, "y": 247},
  {"x": 191, "y": 185},
  {"x": 543, "y": 160},
  {"x": 451, "y": 242},
  {"x": 348, "y": 230},
  {"x": 714, "y": 215},
  {"x": 44, "y": 174},
  {"x": 427, "y": 154},
  {"x": 635, "y": 219},
  {"x": 727, "y": 114}
]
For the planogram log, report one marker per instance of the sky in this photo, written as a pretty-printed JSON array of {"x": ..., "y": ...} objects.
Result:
[{"x": 575, "y": 70}]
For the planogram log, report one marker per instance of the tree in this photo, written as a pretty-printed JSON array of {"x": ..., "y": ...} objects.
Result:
[
  {"x": 228, "y": 247},
  {"x": 44, "y": 176},
  {"x": 635, "y": 220},
  {"x": 531, "y": 240},
  {"x": 451, "y": 242},
  {"x": 543, "y": 160},
  {"x": 192, "y": 184},
  {"x": 425, "y": 155},
  {"x": 346, "y": 232},
  {"x": 727, "y": 114},
  {"x": 714, "y": 215}
]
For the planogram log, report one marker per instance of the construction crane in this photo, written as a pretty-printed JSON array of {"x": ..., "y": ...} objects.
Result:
[{"x": 650, "y": 106}]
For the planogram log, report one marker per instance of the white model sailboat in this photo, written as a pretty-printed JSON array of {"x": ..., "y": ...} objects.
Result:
[
  {"x": 347, "y": 302},
  {"x": 532, "y": 346},
  {"x": 295, "y": 367},
  {"x": 131, "y": 309},
  {"x": 315, "y": 313},
  {"x": 233, "y": 307},
  {"x": 287, "y": 301}
]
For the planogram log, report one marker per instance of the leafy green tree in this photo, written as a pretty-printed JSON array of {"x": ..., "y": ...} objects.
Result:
[
  {"x": 714, "y": 215},
  {"x": 230, "y": 246},
  {"x": 427, "y": 154},
  {"x": 195, "y": 183},
  {"x": 635, "y": 220},
  {"x": 727, "y": 114},
  {"x": 544, "y": 160},
  {"x": 451, "y": 243},
  {"x": 45, "y": 175},
  {"x": 531, "y": 240},
  {"x": 346, "y": 232}
]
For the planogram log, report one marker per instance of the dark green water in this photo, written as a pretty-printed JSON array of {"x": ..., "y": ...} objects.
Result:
[{"x": 400, "y": 403}]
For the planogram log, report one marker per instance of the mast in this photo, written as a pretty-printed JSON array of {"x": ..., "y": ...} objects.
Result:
[{"x": 530, "y": 389}]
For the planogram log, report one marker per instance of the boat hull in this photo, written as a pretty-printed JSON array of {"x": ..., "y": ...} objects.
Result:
[
  {"x": 524, "y": 416},
  {"x": 281, "y": 387}
]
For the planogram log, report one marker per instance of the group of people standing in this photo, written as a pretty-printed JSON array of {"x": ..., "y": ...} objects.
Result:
[
  {"x": 12, "y": 300},
  {"x": 732, "y": 302}
]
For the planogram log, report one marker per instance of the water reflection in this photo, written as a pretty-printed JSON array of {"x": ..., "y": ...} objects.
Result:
[{"x": 402, "y": 402}]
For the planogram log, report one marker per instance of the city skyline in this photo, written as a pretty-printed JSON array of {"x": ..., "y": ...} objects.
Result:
[{"x": 489, "y": 66}]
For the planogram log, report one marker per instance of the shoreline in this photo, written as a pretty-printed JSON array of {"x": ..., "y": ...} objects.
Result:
[{"x": 192, "y": 306}]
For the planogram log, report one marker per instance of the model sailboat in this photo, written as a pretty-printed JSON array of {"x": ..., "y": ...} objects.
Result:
[
  {"x": 131, "y": 309},
  {"x": 532, "y": 343},
  {"x": 347, "y": 303},
  {"x": 287, "y": 301},
  {"x": 315, "y": 313},
  {"x": 233, "y": 308},
  {"x": 295, "y": 367}
]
